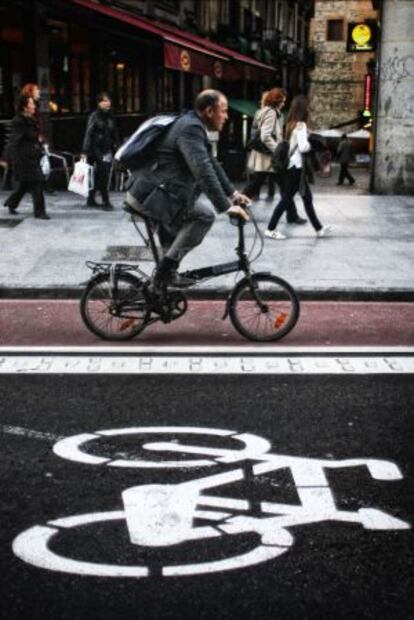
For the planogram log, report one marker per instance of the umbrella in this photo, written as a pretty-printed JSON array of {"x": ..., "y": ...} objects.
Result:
[{"x": 360, "y": 133}]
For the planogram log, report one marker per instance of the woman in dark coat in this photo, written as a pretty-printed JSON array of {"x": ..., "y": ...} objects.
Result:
[
  {"x": 100, "y": 142},
  {"x": 25, "y": 151}
]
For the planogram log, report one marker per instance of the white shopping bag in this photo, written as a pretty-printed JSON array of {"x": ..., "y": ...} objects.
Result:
[{"x": 81, "y": 181}]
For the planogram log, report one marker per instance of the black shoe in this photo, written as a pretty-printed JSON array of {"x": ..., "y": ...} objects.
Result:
[
  {"x": 43, "y": 216},
  {"x": 178, "y": 280},
  {"x": 51, "y": 192},
  {"x": 297, "y": 220},
  {"x": 172, "y": 279},
  {"x": 352, "y": 182},
  {"x": 339, "y": 183},
  {"x": 92, "y": 203},
  {"x": 107, "y": 206}
]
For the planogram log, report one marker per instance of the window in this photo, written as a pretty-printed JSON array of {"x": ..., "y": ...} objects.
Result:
[{"x": 335, "y": 30}]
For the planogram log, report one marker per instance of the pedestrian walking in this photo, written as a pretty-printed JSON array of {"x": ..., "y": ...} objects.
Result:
[
  {"x": 269, "y": 122},
  {"x": 299, "y": 173},
  {"x": 167, "y": 187},
  {"x": 99, "y": 144},
  {"x": 345, "y": 155},
  {"x": 25, "y": 151},
  {"x": 33, "y": 90},
  {"x": 271, "y": 182}
]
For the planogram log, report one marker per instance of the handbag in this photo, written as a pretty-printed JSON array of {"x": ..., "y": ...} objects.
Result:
[
  {"x": 45, "y": 162},
  {"x": 255, "y": 144},
  {"x": 81, "y": 182}
]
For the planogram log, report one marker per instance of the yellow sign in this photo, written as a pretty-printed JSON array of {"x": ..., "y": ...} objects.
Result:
[
  {"x": 185, "y": 60},
  {"x": 361, "y": 34},
  {"x": 218, "y": 69}
]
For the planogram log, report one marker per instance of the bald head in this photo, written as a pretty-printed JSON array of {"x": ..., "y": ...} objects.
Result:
[{"x": 211, "y": 105}]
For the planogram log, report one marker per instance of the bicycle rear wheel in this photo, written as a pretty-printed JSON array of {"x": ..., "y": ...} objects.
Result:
[
  {"x": 115, "y": 313},
  {"x": 263, "y": 307}
]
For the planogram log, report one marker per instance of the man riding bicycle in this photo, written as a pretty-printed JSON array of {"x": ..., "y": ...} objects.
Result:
[{"x": 167, "y": 188}]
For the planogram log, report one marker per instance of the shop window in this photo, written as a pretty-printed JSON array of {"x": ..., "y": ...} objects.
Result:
[
  {"x": 167, "y": 90},
  {"x": 60, "y": 80},
  {"x": 123, "y": 83},
  {"x": 335, "y": 30},
  {"x": 120, "y": 85}
]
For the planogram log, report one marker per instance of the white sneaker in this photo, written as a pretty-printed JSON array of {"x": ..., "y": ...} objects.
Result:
[
  {"x": 324, "y": 231},
  {"x": 274, "y": 234}
]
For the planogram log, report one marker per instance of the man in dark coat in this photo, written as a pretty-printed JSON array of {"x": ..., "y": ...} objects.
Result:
[
  {"x": 345, "y": 155},
  {"x": 100, "y": 141},
  {"x": 167, "y": 188},
  {"x": 25, "y": 151}
]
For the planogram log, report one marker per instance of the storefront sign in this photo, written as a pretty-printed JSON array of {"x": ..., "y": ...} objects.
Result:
[
  {"x": 362, "y": 37},
  {"x": 192, "y": 61},
  {"x": 185, "y": 60}
]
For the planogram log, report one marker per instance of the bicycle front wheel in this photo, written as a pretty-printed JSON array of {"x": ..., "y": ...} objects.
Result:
[
  {"x": 263, "y": 307},
  {"x": 117, "y": 312}
]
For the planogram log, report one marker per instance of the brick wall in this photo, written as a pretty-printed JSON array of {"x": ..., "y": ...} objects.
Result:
[{"x": 337, "y": 82}]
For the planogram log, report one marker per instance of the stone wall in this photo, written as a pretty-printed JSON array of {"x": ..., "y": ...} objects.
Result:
[
  {"x": 337, "y": 82},
  {"x": 394, "y": 150}
]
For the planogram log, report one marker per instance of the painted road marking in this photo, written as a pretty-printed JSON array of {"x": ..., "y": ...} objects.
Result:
[
  {"x": 168, "y": 515},
  {"x": 271, "y": 364}
]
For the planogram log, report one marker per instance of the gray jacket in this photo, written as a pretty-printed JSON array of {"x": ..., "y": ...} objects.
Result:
[{"x": 183, "y": 166}]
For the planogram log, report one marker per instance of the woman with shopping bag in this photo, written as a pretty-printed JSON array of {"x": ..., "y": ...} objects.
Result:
[
  {"x": 100, "y": 142},
  {"x": 26, "y": 152}
]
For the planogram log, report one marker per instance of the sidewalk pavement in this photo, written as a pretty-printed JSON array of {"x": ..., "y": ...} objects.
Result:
[{"x": 369, "y": 256}]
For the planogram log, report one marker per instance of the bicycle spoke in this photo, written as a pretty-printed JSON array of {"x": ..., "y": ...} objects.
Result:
[
  {"x": 266, "y": 312},
  {"x": 115, "y": 313}
]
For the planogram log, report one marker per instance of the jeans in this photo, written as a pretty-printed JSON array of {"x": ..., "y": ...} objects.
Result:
[
  {"x": 291, "y": 187},
  {"x": 257, "y": 179}
]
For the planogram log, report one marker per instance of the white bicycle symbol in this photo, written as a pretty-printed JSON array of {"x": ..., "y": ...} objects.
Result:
[{"x": 161, "y": 516}]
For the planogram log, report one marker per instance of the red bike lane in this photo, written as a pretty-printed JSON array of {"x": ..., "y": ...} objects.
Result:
[{"x": 58, "y": 323}]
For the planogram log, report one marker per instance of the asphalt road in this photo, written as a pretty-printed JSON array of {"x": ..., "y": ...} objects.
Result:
[{"x": 307, "y": 539}]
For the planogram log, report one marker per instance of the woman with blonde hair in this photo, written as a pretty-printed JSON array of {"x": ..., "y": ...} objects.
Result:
[
  {"x": 298, "y": 174},
  {"x": 270, "y": 124}
]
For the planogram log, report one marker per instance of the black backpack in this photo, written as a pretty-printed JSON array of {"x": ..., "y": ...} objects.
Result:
[
  {"x": 137, "y": 150},
  {"x": 281, "y": 156}
]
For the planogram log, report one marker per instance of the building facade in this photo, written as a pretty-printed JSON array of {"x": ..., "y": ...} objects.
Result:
[
  {"x": 339, "y": 80},
  {"x": 151, "y": 56},
  {"x": 393, "y": 158}
]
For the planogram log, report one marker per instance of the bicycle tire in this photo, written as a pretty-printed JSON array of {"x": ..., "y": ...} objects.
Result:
[
  {"x": 278, "y": 314},
  {"x": 109, "y": 316}
]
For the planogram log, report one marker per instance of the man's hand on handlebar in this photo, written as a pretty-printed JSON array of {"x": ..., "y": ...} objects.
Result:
[
  {"x": 238, "y": 211},
  {"x": 240, "y": 199}
]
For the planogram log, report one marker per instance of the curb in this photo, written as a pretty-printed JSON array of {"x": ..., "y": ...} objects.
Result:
[{"x": 366, "y": 295}]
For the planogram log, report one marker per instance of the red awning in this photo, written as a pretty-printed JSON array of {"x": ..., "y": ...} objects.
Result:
[{"x": 189, "y": 52}]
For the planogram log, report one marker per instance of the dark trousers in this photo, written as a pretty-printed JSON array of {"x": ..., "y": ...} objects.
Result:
[
  {"x": 257, "y": 179},
  {"x": 345, "y": 174},
  {"x": 35, "y": 188},
  {"x": 102, "y": 171},
  {"x": 291, "y": 187}
]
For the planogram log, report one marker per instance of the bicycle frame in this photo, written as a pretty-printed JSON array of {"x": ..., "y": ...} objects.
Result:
[{"x": 242, "y": 264}]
